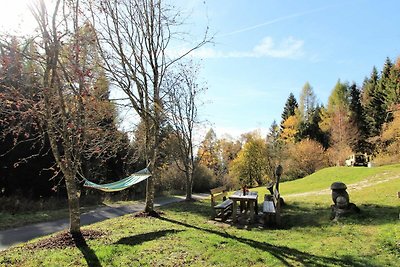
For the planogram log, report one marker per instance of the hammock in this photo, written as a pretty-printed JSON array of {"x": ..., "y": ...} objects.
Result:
[{"x": 133, "y": 179}]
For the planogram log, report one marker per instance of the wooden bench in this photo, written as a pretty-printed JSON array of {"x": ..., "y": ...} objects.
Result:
[
  {"x": 272, "y": 209},
  {"x": 223, "y": 209}
]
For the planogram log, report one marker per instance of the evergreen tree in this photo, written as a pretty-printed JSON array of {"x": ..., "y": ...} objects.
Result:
[
  {"x": 311, "y": 129},
  {"x": 290, "y": 107},
  {"x": 309, "y": 115},
  {"x": 393, "y": 85},
  {"x": 384, "y": 79},
  {"x": 374, "y": 102},
  {"x": 339, "y": 98},
  {"x": 357, "y": 117},
  {"x": 369, "y": 86},
  {"x": 384, "y": 84},
  {"x": 377, "y": 112},
  {"x": 273, "y": 133}
]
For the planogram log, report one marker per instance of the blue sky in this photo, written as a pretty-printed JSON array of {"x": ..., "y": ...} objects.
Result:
[{"x": 263, "y": 50}]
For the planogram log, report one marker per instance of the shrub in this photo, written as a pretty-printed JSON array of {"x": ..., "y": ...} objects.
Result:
[
  {"x": 204, "y": 179},
  {"x": 304, "y": 158},
  {"x": 171, "y": 179},
  {"x": 389, "y": 151}
]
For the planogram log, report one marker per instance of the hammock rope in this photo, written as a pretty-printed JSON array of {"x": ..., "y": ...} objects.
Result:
[{"x": 129, "y": 181}]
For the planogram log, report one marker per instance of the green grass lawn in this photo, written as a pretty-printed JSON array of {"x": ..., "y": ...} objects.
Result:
[
  {"x": 348, "y": 175},
  {"x": 185, "y": 235},
  {"x": 9, "y": 220},
  {"x": 12, "y": 220}
]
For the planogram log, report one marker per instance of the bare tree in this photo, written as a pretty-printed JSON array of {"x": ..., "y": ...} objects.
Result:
[
  {"x": 343, "y": 134},
  {"x": 67, "y": 83},
  {"x": 133, "y": 37},
  {"x": 183, "y": 98},
  {"x": 64, "y": 128}
]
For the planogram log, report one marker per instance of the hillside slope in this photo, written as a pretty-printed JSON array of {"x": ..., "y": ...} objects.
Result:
[{"x": 357, "y": 176}]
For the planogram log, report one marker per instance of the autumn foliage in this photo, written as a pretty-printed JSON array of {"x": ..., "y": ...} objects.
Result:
[{"x": 304, "y": 158}]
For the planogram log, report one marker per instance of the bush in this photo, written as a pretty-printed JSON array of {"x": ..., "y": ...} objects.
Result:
[
  {"x": 337, "y": 156},
  {"x": 304, "y": 158},
  {"x": 171, "y": 179},
  {"x": 203, "y": 179},
  {"x": 389, "y": 151},
  {"x": 230, "y": 182}
]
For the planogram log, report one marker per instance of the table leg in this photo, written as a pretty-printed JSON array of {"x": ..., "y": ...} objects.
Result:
[
  {"x": 234, "y": 211},
  {"x": 252, "y": 203},
  {"x": 248, "y": 206},
  {"x": 256, "y": 208},
  {"x": 243, "y": 206}
]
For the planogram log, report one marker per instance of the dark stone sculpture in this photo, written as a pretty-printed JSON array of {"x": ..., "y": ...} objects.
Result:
[{"x": 342, "y": 205}]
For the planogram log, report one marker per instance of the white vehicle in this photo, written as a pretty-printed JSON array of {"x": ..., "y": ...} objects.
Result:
[{"x": 358, "y": 159}]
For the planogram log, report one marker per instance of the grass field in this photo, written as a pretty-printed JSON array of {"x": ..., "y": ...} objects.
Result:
[
  {"x": 185, "y": 235},
  {"x": 17, "y": 219}
]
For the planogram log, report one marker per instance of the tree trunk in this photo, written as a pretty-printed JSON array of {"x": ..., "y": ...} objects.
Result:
[
  {"x": 73, "y": 204},
  {"x": 152, "y": 145},
  {"x": 188, "y": 186},
  {"x": 149, "y": 207},
  {"x": 189, "y": 182},
  {"x": 149, "y": 195}
]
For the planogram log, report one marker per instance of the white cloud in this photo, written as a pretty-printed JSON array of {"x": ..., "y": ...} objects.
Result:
[
  {"x": 289, "y": 47},
  {"x": 235, "y": 133},
  {"x": 207, "y": 52},
  {"x": 277, "y": 20}
]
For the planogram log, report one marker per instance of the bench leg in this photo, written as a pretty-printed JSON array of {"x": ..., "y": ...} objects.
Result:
[
  {"x": 266, "y": 219},
  {"x": 269, "y": 219},
  {"x": 214, "y": 214},
  {"x": 226, "y": 213},
  {"x": 278, "y": 219}
]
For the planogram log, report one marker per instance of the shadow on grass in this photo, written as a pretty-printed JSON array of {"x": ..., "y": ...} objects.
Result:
[
  {"x": 293, "y": 215},
  {"x": 375, "y": 215},
  {"x": 88, "y": 253},
  {"x": 138, "y": 239},
  {"x": 297, "y": 215},
  {"x": 202, "y": 207},
  {"x": 300, "y": 215},
  {"x": 283, "y": 253}
]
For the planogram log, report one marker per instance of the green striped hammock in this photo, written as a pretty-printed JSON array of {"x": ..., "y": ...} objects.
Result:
[{"x": 129, "y": 181}]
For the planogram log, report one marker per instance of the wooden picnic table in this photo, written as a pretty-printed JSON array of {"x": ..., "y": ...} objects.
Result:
[{"x": 250, "y": 198}]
